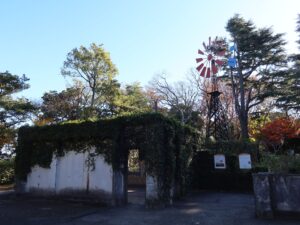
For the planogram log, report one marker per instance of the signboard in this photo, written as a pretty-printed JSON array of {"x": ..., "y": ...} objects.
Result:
[
  {"x": 245, "y": 161},
  {"x": 220, "y": 162}
]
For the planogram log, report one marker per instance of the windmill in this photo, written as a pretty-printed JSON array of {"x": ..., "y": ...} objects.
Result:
[{"x": 211, "y": 58}]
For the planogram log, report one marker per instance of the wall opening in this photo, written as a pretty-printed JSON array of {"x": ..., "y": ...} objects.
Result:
[{"x": 136, "y": 177}]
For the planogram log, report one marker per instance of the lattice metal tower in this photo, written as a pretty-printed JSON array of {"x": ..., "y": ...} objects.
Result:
[{"x": 211, "y": 59}]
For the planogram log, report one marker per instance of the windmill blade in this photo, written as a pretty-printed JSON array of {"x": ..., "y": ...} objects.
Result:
[
  {"x": 208, "y": 73},
  {"x": 214, "y": 41},
  {"x": 209, "y": 41},
  {"x": 214, "y": 69},
  {"x": 200, "y": 67},
  {"x": 200, "y": 52},
  {"x": 199, "y": 60},
  {"x": 221, "y": 53},
  {"x": 202, "y": 74},
  {"x": 204, "y": 45},
  {"x": 219, "y": 62}
]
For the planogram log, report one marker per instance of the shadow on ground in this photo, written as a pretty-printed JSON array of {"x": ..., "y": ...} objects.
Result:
[
  {"x": 136, "y": 195},
  {"x": 203, "y": 208}
]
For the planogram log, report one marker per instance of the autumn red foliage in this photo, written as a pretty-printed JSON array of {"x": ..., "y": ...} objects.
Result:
[{"x": 278, "y": 131}]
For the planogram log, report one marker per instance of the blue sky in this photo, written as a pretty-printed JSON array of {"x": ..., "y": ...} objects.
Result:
[{"x": 143, "y": 37}]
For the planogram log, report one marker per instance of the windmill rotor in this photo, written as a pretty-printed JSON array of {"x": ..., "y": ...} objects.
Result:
[{"x": 211, "y": 57}]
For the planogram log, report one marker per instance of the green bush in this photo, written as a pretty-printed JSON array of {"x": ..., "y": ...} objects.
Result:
[
  {"x": 280, "y": 163},
  {"x": 7, "y": 172},
  {"x": 232, "y": 147}
]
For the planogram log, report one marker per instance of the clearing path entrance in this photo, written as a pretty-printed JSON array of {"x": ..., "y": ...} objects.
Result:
[
  {"x": 136, "y": 195},
  {"x": 203, "y": 208}
]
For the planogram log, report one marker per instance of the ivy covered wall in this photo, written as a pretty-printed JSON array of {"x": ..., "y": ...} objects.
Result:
[{"x": 164, "y": 144}]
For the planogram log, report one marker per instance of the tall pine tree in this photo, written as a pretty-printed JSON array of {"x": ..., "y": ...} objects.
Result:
[
  {"x": 260, "y": 55},
  {"x": 12, "y": 111},
  {"x": 288, "y": 85}
]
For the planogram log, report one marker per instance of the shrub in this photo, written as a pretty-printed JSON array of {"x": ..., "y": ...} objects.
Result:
[
  {"x": 6, "y": 171},
  {"x": 280, "y": 163}
]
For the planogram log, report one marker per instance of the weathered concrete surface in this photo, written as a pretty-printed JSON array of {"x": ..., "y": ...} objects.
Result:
[
  {"x": 286, "y": 193},
  {"x": 198, "y": 208},
  {"x": 69, "y": 175},
  {"x": 262, "y": 195},
  {"x": 119, "y": 190},
  {"x": 151, "y": 188},
  {"x": 42, "y": 178},
  {"x": 276, "y": 194}
]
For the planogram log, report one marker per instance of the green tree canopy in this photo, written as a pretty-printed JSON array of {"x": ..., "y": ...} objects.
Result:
[
  {"x": 260, "y": 56},
  {"x": 92, "y": 65},
  {"x": 132, "y": 99},
  {"x": 288, "y": 83},
  {"x": 12, "y": 111},
  {"x": 68, "y": 104}
]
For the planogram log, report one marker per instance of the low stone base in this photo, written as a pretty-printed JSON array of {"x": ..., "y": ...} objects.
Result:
[{"x": 276, "y": 194}]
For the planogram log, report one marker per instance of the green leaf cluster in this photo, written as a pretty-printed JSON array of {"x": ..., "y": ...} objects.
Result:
[
  {"x": 12, "y": 111},
  {"x": 288, "y": 82},
  {"x": 280, "y": 163},
  {"x": 6, "y": 171},
  {"x": 92, "y": 65},
  {"x": 232, "y": 147}
]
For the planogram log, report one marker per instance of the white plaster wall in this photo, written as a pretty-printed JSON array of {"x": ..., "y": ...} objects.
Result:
[
  {"x": 71, "y": 171},
  {"x": 151, "y": 187},
  {"x": 102, "y": 177},
  {"x": 42, "y": 178}
]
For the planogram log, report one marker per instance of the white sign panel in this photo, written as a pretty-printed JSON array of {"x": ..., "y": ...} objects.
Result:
[
  {"x": 245, "y": 161},
  {"x": 220, "y": 162}
]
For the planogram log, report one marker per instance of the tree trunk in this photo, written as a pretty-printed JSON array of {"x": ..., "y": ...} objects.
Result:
[
  {"x": 93, "y": 99},
  {"x": 243, "y": 113},
  {"x": 182, "y": 117},
  {"x": 243, "y": 119},
  {"x": 93, "y": 87}
]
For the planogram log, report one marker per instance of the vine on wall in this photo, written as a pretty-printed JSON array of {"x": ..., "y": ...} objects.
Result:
[{"x": 164, "y": 143}]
